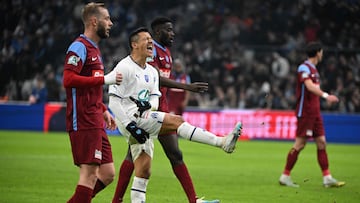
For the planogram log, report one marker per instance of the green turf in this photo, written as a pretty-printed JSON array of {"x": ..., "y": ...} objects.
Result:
[{"x": 37, "y": 167}]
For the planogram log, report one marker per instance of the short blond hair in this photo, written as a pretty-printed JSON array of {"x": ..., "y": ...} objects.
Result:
[{"x": 91, "y": 9}]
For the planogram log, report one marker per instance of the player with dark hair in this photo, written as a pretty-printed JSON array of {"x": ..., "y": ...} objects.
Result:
[
  {"x": 163, "y": 34},
  {"x": 309, "y": 120},
  {"x": 135, "y": 103},
  {"x": 85, "y": 110}
]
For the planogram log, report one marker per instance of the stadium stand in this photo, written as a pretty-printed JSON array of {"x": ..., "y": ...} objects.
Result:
[{"x": 248, "y": 51}]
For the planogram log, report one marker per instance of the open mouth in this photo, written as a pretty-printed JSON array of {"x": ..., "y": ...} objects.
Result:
[{"x": 149, "y": 48}]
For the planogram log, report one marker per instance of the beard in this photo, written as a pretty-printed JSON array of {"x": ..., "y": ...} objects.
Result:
[{"x": 101, "y": 32}]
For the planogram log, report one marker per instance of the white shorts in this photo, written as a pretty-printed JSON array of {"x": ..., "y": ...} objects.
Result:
[{"x": 151, "y": 123}]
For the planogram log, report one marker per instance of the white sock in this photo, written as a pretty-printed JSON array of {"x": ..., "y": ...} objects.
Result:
[
  {"x": 138, "y": 190},
  {"x": 327, "y": 177},
  {"x": 192, "y": 133}
]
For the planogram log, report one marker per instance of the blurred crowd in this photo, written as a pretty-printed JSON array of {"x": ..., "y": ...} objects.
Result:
[{"x": 248, "y": 51}]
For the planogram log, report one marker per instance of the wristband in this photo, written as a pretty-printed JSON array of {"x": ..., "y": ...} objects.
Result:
[
  {"x": 109, "y": 79},
  {"x": 325, "y": 95}
]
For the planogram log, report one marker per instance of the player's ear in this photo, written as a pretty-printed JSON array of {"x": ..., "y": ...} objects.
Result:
[
  {"x": 133, "y": 44},
  {"x": 93, "y": 21}
]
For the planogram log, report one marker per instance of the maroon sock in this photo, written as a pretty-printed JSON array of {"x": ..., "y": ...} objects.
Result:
[
  {"x": 183, "y": 175},
  {"x": 290, "y": 161},
  {"x": 323, "y": 161},
  {"x": 98, "y": 187},
  {"x": 126, "y": 170},
  {"x": 82, "y": 195}
]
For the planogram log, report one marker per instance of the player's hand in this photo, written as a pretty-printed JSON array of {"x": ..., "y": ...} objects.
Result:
[
  {"x": 138, "y": 133},
  {"x": 199, "y": 87},
  {"x": 332, "y": 99},
  {"x": 142, "y": 105},
  {"x": 118, "y": 78},
  {"x": 109, "y": 120}
]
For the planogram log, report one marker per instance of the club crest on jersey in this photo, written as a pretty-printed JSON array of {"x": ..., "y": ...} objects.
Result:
[
  {"x": 154, "y": 115},
  {"x": 146, "y": 77},
  {"x": 304, "y": 75},
  {"x": 73, "y": 60}
]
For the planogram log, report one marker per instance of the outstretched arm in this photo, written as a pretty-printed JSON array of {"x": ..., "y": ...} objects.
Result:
[
  {"x": 72, "y": 79},
  {"x": 193, "y": 87}
]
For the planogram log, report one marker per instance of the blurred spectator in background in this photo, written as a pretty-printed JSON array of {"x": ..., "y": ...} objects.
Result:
[
  {"x": 280, "y": 66},
  {"x": 219, "y": 41},
  {"x": 178, "y": 98},
  {"x": 39, "y": 91},
  {"x": 52, "y": 84}
]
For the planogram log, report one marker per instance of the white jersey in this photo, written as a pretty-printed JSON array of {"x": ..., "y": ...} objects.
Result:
[{"x": 138, "y": 82}]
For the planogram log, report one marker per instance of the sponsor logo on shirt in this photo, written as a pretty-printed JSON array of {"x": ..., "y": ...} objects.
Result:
[
  {"x": 144, "y": 95},
  {"x": 165, "y": 73},
  {"x": 98, "y": 73},
  {"x": 93, "y": 58},
  {"x": 73, "y": 60}
]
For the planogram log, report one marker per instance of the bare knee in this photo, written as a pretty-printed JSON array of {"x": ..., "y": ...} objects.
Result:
[
  {"x": 300, "y": 143},
  {"x": 106, "y": 173},
  {"x": 109, "y": 178},
  {"x": 143, "y": 166},
  {"x": 88, "y": 175},
  {"x": 320, "y": 143},
  {"x": 299, "y": 147},
  {"x": 143, "y": 172},
  {"x": 171, "y": 123}
]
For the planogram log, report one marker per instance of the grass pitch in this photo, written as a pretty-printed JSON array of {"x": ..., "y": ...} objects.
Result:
[{"x": 38, "y": 168}]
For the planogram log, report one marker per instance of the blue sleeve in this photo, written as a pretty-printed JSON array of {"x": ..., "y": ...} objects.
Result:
[
  {"x": 79, "y": 49},
  {"x": 188, "y": 80},
  {"x": 303, "y": 68},
  {"x": 154, "y": 53}
]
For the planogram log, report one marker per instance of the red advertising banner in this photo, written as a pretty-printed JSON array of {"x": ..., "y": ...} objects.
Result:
[
  {"x": 256, "y": 123},
  {"x": 54, "y": 117}
]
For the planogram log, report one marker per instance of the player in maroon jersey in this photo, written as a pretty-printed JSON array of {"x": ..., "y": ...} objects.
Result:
[
  {"x": 178, "y": 98},
  {"x": 310, "y": 123},
  {"x": 163, "y": 35},
  {"x": 85, "y": 110}
]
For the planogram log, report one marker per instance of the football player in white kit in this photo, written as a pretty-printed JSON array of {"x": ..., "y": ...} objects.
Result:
[{"x": 134, "y": 104}]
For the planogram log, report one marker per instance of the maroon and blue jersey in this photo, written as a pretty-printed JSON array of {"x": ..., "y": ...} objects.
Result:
[
  {"x": 84, "y": 103},
  {"x": 163, "y": 61},
  {"x": 307, "y": 103}
]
